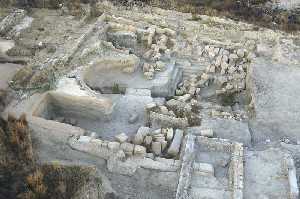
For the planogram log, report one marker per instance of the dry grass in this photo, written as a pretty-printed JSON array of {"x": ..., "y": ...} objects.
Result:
[{"x": 35, "y": 182}]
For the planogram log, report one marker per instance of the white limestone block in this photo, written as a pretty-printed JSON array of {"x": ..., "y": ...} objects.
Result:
[
  {"x": 121, "y": 137},
  {"x": 176, "y": 143}
]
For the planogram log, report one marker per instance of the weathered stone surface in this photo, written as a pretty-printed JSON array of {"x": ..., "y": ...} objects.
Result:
[
  {"x": 275, "y": 93},
  {"x": 265, "y": 174}
]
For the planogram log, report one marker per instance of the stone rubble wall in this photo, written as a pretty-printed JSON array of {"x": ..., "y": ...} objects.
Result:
[
  {"x": 167, "y": 121},
  {"x": 216, "y": 144},
  {"x": 118, "y": 162}
]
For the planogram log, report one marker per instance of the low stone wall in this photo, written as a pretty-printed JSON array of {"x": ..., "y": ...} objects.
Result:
[
  {"x": 236, "y": 171},
  {"x": 119, "y": 159},
  {"x": 167, "y": 121}
]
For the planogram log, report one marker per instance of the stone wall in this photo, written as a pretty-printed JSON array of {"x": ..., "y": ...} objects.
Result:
[
  {"x": 236, "y": 168},
  {"x": 123, "y": 158}
]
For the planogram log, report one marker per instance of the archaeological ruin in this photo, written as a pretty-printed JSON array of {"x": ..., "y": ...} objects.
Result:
[{"x": 149, "y": 99}]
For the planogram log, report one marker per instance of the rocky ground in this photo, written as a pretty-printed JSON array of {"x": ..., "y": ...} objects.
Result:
[{"x": 143, "y": 102}]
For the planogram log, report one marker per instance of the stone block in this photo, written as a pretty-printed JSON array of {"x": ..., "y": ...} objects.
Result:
[
  {"x": 121, "y": 137},
  {"x": 139, "y": 151},
  {"x": 176, "y": 143},
  {"x": 127, "y": 148},
  {"x": 156, "y": 148}
]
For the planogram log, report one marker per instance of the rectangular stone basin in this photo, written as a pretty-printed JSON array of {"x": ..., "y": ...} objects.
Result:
[{"x": 71, "y": 109}]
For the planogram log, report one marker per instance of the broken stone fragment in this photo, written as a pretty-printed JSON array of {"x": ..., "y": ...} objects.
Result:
[
  {"x": 121, "y": 137},
  {"x": 156, "y": 148},
  {"x": 141, "y": 133},
  {"x": 139, "y": 151},
  {"x": 127, "y": 148},
  {"x": 175, "y": 145}
]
